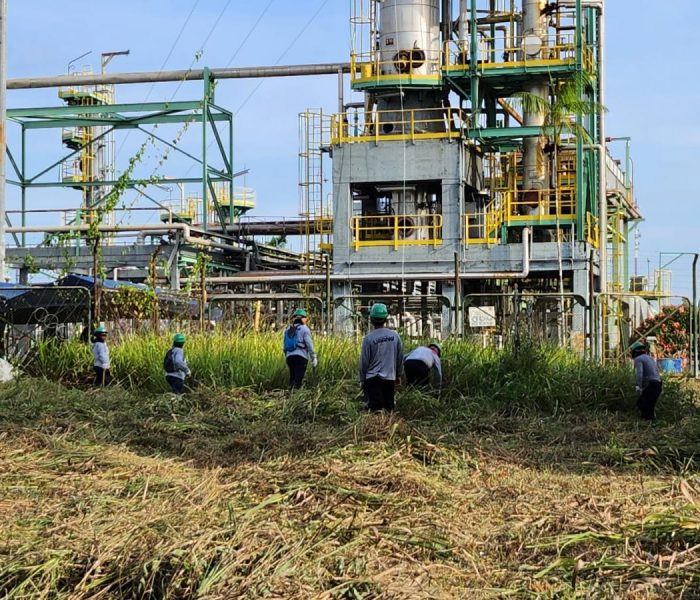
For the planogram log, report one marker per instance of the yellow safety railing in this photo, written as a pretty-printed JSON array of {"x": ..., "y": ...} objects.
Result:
[
  {"x": 407, "y": 66},
  {"x": 182, "y": 211},
  {"x": 484, "y": 227},
  {"x": 522, "y": 51},
  {"x": 396, "y": 230},
  {"x": 540, "y": 205},
  {"x": 396, "y": 125}
]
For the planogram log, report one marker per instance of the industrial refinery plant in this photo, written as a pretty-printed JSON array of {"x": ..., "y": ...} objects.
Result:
[{"x": 464, "y": 179}]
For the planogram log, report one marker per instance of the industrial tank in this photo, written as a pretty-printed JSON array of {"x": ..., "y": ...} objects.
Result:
[{"x": 409, "y": 39}]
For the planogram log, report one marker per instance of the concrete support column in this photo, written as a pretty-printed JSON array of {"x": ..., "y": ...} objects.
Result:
[
  {"x": 451, "y": 319},
  {"x": 343, "y": 315},
  {"x": 580, "y": 326}
]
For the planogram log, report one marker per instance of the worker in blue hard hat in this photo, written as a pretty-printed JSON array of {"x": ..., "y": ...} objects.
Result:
[
  {"x": 647, "y": 381},
  {"x": 421, "y": 363},
  {"x": 175, "y": 365},
  {"x": 381, "y": 361},
  {"x": 100, "y": 355},
  {"x": 298, "y": 348}
]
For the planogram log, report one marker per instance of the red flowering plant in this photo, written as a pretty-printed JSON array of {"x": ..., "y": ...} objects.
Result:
[{"x": 671, "y": 328}]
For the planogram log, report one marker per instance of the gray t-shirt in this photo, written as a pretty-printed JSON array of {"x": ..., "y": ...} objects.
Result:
[{"x": 381, "y": 356}]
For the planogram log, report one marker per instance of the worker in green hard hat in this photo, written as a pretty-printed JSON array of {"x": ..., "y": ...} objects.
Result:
[
  {"x": 100, "y": 356},
  {"x": 175, "y": 365},
  {"x": 421, "y": 363},
  {"x": 647, "y": 381},
  {"x": 298, "y": 348},
  {"x": 381, "y": 361}
]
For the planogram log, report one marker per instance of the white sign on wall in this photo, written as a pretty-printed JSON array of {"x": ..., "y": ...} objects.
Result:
[{"x": 482, "y": 316}]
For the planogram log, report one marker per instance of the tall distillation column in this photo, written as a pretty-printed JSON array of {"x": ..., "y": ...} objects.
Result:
[
  {"x": 534, "y": 40},
  {"x": 409, "y": 44}
]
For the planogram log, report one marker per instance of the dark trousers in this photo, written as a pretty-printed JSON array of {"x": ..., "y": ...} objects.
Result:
[
  {"x": 177, "y": 385},
  {"x": 380, "y": 394},
  {"x": 417, "y": 373},
  {"x": 647, "y": 400},
  {"x": 102, "y": 376},
  {"x": 297, "y": 369}
]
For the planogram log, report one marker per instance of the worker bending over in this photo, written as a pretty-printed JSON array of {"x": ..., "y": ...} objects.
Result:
[
  {"x": 380, "y": 361},
  {"x": 421, "y": 363}
]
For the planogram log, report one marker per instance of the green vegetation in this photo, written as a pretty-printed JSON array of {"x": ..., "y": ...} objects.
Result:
[{"x": 528, "y": 477}]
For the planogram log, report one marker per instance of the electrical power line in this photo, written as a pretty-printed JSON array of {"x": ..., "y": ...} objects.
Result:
[
  {"x": 198, "y": 55},
  {"x": 162, "y": 67},
  {"x": 286, "y": 51},
  {"x": 250, "y": 33}
]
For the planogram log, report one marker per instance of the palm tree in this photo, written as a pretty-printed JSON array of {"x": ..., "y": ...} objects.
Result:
[{"x": 563, "y": 111}]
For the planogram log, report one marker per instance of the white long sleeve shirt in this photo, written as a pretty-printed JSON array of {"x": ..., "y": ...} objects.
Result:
[
  {"x": 429, "y": 358},
  {"x": 100, "y": 355}
]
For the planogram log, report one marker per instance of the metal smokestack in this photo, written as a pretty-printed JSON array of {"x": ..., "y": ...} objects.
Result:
[
  {"x": 410, "y": 45},
  {"x": 409, "y": 37}
]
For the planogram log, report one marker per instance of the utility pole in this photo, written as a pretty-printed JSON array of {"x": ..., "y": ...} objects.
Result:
[{"x": 3, "y": 132}]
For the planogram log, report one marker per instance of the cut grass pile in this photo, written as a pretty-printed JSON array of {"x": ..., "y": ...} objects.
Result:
[{"x": 249, "y": 493}]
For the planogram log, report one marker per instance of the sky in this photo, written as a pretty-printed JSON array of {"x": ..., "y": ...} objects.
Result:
[{"x": 651, "y": 87}]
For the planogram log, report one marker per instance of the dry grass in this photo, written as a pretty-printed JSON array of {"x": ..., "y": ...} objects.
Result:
[{"x": 115, "y": 494}]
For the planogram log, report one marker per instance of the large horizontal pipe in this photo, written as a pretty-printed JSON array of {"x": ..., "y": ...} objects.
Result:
[
  {"x": 26, "y": 83},
  {"x": 297, "y": 277},
  {"x": 186, "y": 231}
]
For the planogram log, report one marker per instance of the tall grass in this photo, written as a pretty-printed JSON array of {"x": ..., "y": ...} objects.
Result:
[
  {"x": 218, "y": 360},
  {"x": 542, "y": 377}
]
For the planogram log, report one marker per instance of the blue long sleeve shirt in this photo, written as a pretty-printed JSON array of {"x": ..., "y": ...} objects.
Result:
[
  {"x": 381, "y": 356},
  {"x": 179, "y": 363},
  {"x": 646, "y": 370},
  {"x": 305, "y": 347}
]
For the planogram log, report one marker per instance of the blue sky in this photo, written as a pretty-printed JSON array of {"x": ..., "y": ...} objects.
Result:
[{"x": 650, "y": 93}]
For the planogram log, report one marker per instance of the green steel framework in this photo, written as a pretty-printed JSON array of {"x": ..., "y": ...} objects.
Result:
[{"x": 118, "y": 117}]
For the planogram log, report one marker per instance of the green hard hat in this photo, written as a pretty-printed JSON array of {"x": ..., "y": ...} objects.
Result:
[
  {"x": 437, "y": 346},
  {"x": 637, "y": 345},
  {"x": 378, "y": 311},
  {"x": 100, "y": 330},
  {"x": 179, "y": 338},
  {"x": 300, "y": 312}
]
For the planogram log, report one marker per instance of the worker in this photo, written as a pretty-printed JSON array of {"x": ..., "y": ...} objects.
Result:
[
  {"x": 381, "y": 361},
  {"x": 175, "y": 365},
  {"x": 100, "y": 355},
  {"x": 647, "y": 381},
  {"x": 298, "y": 348},
  {"x": 421, "y": 363}
]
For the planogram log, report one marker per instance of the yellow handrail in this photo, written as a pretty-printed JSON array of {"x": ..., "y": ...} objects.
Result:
[
  {"x": 396, "y": 230},
  {"x": 396, "y": 125}
]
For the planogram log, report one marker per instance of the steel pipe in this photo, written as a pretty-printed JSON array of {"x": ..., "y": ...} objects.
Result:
[
  {"x": 182, "y": 227},
  {"x": 297, "y": 277},
  {"x": 26, "y": 83}
]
